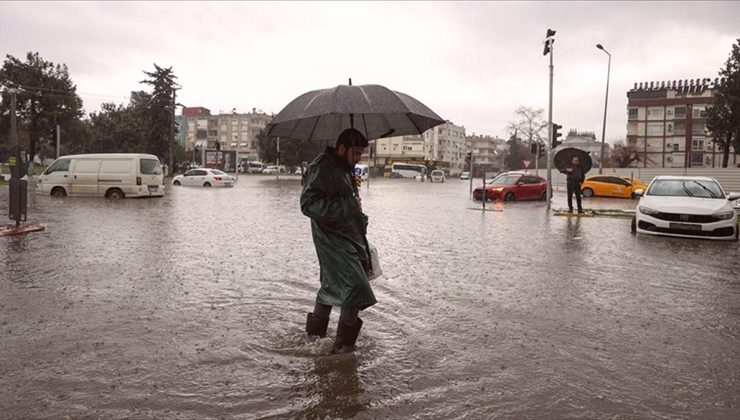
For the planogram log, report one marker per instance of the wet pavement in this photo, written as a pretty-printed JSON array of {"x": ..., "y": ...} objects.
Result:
[{"x": 193, "y": 306}]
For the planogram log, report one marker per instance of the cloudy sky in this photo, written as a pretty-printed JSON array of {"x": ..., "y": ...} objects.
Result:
[{"x": 473, "y": 63}]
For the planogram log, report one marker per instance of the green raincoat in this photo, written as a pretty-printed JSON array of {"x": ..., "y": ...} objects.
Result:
[{"x": 338, "y": 227}]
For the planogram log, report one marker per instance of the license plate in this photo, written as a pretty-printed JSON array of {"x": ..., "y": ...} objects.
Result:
[{"x": 684, "y": 226}]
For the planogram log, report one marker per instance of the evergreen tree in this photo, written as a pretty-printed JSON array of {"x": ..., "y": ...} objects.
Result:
[{"x": 723, "y": 118}]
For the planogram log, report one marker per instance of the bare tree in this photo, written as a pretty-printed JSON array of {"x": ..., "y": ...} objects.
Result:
[{"x": 530, "y": 124}]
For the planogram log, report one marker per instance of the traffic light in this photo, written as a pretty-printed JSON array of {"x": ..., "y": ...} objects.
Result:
[
  {"x": 542, "y": 152},
  {"x": 548, "y": 41},
  {"x": 555, "y": 135},
  {"x": 533, "y": 148}
]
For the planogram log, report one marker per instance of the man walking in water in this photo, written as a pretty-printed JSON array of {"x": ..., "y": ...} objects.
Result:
[{"x": 338, "y": 227}]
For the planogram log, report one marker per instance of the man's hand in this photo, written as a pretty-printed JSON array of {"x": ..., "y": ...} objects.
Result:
[{"x": 358, "y": 181}]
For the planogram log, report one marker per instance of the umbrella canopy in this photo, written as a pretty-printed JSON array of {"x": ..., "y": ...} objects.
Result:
[
  {"x": 563, "y": 158},
  {"x": 374, "y": 110}
]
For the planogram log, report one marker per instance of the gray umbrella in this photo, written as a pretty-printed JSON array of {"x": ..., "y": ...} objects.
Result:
[{"x": 374, "y": 110}]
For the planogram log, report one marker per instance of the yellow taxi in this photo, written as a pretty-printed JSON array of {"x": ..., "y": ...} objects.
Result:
[{"x": 611, "y": 186}]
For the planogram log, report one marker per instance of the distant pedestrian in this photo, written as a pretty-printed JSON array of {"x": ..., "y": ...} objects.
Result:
[
  {"x": 576, "y": 175},
  {"x": 339, "y": 227}
]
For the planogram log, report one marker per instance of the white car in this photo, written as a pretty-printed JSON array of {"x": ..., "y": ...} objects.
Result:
[
  {"x": 274, "y": 169},
  {"x": 204, "y": 177},
  {"x": 438, "y": 176},
  {"x": 465, "y": 175},
  {"x": 686, "y": 206}
]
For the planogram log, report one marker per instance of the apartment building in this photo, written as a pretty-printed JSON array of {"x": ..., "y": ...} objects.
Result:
[
  {"x": 439, "y": 147},
  {"x": 666, "y": 124},
  {"x": 233, "y": 131},
  {"x": 488, "y": 151}
]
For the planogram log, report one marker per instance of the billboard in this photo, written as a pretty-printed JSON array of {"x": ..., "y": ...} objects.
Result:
[{"x": 224, "y": 160}]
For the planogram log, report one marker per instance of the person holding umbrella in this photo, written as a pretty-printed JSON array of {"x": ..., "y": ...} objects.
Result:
[
  {"x": 576, "y": 174},
  {"x": 338, "y": 226}
]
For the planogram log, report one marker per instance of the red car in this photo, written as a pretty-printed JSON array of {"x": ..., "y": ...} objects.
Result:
[{"x": 512, "y": 186}]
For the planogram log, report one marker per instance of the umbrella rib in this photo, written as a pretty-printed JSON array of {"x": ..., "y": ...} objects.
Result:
[
  {"x": 364, "y": 124},
  {"x": 310, "y": 136},
  {"x": 413, "y": 122}
]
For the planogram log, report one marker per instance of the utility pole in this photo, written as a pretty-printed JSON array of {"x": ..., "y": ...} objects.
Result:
[
  {"x": 278, "y": 155},
  {"x": 549, "y": 48}
]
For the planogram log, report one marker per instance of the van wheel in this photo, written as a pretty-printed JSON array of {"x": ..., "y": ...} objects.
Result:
[
  {"x": 114, "y": 194},
  {"x": 58, "y": 192},
  {"x": 587, "y": 192},
  {"x": 176, "y": 183},
  {"x": 207, "y": 184},
  {"x": 509, "y": 196}
]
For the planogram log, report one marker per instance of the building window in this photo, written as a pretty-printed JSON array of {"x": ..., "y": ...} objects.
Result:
[
  {"x": 699, "y": 112},
  {"x": 655, "y": 113},
  {"x": 680, "y": 112},
  {"x": 632, "y": 113},
  {"x": 697, "y": 159},
  {"x": 655, "y": 129},
  {"x": 698, "y": 129},
  {"x": 675, "y": 147},
  {"x": 679, "y": 128}
]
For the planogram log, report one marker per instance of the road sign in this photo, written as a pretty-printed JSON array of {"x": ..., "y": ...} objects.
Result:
[{"x": 526, "y": 163}]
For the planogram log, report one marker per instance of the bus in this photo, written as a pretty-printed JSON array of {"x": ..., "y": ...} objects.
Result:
[{"x": 409, "y": 170}]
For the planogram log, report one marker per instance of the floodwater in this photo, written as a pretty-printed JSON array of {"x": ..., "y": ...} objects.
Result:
[{"x": 193, "y": 306}]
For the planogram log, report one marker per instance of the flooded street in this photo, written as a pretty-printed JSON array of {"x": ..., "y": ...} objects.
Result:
[{"x": 194, "y": 306}]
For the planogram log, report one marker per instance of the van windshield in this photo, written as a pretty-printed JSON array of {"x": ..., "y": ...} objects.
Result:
[
  {"x": 60, "y": 165},
  {"x": 150, "y": 167}
]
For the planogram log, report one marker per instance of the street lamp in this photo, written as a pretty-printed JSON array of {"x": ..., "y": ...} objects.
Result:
[{"x": 606, "y": 101}]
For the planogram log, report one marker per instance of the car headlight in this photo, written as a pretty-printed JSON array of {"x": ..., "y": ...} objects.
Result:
[
  {"x": 647, "y": 210},
  {"x": 725, "y": 216}
]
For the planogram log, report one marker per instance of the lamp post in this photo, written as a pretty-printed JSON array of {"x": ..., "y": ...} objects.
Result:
[{"x": 606, "y": 102}]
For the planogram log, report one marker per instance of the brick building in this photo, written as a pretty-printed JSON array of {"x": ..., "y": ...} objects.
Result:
[{"x": 666, "y": 124}]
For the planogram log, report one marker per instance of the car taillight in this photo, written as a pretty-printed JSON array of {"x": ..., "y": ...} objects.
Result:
[
  {"x": 138, "y": 180},
  {"x": 217, "y": 178}
]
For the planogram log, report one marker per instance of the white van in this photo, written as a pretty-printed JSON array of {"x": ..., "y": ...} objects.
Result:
[{"x": 110, "y": 175}]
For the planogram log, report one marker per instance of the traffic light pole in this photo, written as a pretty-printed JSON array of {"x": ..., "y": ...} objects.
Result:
[{"x": 549, "y": 131}]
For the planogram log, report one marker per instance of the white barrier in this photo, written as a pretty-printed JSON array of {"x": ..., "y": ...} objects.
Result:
[{"x": 729, "y": 178}]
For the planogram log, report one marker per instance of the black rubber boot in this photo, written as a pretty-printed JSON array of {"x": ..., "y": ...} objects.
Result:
[
  {"x": 316, "y": 325},
  {"x": 346, "y": 336}
]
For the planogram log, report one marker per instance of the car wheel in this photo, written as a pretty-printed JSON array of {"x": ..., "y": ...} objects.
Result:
[
  {"x": 176, "y": 183},
  {"x": 587, "y": 192},
  {"x": 207, "y": 184},
  {"x": 114, "y": 194},
  {"x": 58, "y": 192},
  {"x": 543, "y": 196},
  {"x": 633, "y": 225},
  {"x": 509, "y": 196}
]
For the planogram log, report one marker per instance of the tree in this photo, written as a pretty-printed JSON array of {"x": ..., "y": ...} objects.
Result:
[
  {"x": 292, "y": 152},
  {"x": 723, "y": 118},
  {"x": 531, "y": 127},
  {"x": 46, "y": 96},
  {"x": 517, "y": 153},
  {"x": 623, "y": 155},
  {"x": 160, "y": 120}
]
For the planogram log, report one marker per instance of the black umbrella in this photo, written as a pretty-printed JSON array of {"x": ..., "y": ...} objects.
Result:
[
  {"x": 564, "y": 157},
  {"x": 374, "y": 110}
]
